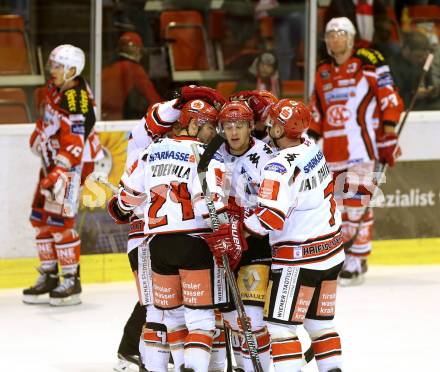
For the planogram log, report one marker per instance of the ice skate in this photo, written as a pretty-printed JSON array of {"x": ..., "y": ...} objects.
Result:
[
  {"x": 68, "y": 292},
  {"x": 39, "y": 293},
  {"x": 127, "y": 363},
  {"x": 353, "y": 271}
]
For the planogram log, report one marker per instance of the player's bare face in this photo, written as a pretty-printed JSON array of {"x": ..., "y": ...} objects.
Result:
[
  {"x": 238, "y": 134},
  {"x": 265, "y": 70},
  {"x": 56, "y": 72},
  {"x": 207, "y": 132},
  {"x": 337, "y": 42}
]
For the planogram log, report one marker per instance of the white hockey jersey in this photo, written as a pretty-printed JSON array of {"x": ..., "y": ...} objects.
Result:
[
  {"x": 158, "y": 119},
  {"x": 165, "y": 178},
  {"x": 297, "y": 208},
  {"x": 240, "y": 175}
]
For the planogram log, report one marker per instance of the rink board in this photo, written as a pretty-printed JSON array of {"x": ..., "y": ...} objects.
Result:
[
  {"x": 113, "y": 267},
  {"x": 410, "y": 210}
]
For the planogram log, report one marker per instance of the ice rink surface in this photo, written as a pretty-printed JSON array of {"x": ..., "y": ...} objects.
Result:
[{"x": 390, "y": 323}]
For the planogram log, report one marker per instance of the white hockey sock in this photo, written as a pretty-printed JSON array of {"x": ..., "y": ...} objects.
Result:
[
  {"x": 263, "y": 346},
  {"x": 176, "y": 339},
  {"x": 198, "y": 346},
  {"x": 286, "y": 348},
  {"x": 156, "y": 351},
  {"x": 327, "y": 349},
  {"x": 218, "y": 352}
]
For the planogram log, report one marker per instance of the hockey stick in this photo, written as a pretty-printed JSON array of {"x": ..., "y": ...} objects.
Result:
[
  {"x": 228, "y": 347},
  {"x": 383, "y": 167},
  {"x": 202, "y": 166},
  {"x": 104, "y": 181},
  {"x": 203, "y": 162}
]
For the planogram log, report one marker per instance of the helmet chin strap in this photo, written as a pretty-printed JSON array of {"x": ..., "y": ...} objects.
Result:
[{"x": 66, "y": 80}]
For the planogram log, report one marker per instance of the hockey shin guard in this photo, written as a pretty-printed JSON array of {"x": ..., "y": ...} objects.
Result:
[
  {"x": 46, "y": 251},
  {"x": 286, "y": 348},
  {"x": 68, "y": 246},
  {"x": 157, "y": 351},
  {"x": 198, "y": 346}
]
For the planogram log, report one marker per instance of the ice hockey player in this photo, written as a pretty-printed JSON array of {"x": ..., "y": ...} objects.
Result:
[
  {"x": 238, "y": 165},
  {"x": 156, "y": 124},
  {"x": 182, "y": 264},
  {"x": 67, "y": 145},
  {"x": 259, "y": 101},
  {"x": 297, "y": 209},
  {"x": 355, "y": 109}
]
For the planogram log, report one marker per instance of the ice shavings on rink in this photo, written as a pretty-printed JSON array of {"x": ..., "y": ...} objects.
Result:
[{"x": 388, "y": 324}]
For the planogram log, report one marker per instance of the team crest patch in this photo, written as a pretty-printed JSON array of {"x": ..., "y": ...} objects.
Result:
[
  {"x": 276, "y": 167},
  {"x": 197, "y": 104}
]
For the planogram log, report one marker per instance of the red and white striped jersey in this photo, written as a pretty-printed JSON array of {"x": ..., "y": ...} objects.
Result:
[
  {"x": 350, "y": 103},
  {"x": 297, "y": 208},
  {"x": 165, "y": 182},
  {"x": 67, "y": 124}
]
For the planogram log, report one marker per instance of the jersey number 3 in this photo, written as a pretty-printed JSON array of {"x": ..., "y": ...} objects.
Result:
[
  {"x": 178, "y": 193},
  {"x": 329, "y": 192}
]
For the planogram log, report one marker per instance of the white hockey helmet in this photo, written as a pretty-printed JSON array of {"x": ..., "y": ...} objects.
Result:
[
  {"x": 341, "y": 24},
  {"x": 69, "y": 56}
]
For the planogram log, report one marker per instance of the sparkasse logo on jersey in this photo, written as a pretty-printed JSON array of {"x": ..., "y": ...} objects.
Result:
[{"x": 175, "y": 155}]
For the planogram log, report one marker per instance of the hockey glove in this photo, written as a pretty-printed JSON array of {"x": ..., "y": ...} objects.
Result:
[
  {"x": 119, "y": 216},
  {"x": 256, "y": 102},
  {"x": 243, "y": 95},
  {"x": 207, "y": 94},
  {"x": 388, "y": 148},
  {"x": 235, "y": 212},
  {"x": 228, "y": 239},
  {"x": 50, "y": 180},
  {"x": 260, "y": 107}
]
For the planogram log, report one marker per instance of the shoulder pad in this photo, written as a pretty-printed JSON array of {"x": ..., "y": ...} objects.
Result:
[
  {"x": 217, "y": 156},
  {"x": 370, "y": 56},
  {"x": 285, "y": 161},
  {"x": 76, "y": 101},
  {"x": 262, "y": 146},
  {"x": 289, "y": 157},
  {"x": 144, "y": 154}
]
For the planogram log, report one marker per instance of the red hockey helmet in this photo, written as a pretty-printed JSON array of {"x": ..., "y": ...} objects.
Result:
[
  {"x": 294, "y": 116},
  {"x": 199, "y": 110},
  {"x": 236, "y": 111},
  {"x": 130, "y": 46},
  {"x": 270, "y": 97}
]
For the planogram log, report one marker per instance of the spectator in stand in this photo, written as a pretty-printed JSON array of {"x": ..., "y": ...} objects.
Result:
[
  {"x": 125, "y": 81},
  {"x": 407, "y": 67},
  {"x": 262, "y": 75},
  {"x": 289, "y": 27}
]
